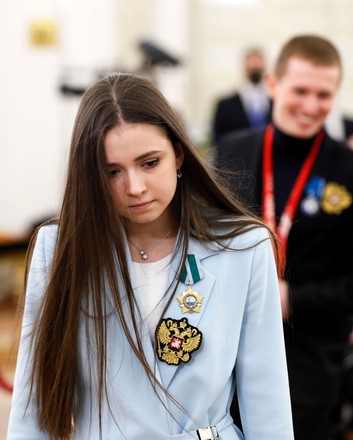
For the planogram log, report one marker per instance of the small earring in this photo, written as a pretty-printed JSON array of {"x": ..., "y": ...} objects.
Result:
[{"x": 179, "y": 174}]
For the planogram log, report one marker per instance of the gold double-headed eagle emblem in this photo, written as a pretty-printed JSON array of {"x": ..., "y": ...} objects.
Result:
[{"x": 176, "y": 340}]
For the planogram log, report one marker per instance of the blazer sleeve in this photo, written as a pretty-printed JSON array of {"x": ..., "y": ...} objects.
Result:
[
  {"x": 23, "y": 418},
  {"x": 261, "y": 370}
]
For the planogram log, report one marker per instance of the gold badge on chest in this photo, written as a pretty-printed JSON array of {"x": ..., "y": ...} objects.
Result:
[
  {"x": 336, "y": 198},
  {"x": 176, "y": 340},
  {"x": 190, "y": 301}
]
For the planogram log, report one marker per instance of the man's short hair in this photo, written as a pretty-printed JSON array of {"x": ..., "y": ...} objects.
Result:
[{"x": 317, "y": 50}]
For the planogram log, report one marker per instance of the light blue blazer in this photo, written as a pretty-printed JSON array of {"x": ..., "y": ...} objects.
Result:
[{"x": 242, "y": 344}]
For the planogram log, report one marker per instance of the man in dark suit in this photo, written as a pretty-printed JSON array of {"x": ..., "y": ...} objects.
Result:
[
  {"x": 250, "y": 105},
  {"x": 301, "y": 182}
]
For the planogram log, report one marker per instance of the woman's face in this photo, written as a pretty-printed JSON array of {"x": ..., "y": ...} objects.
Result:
[{"x": 142, "y": 165}]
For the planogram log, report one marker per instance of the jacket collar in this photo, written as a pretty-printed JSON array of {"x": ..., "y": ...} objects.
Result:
[{"x": 203, "y": 286}]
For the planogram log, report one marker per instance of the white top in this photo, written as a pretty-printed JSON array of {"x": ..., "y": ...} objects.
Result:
[{"x": 152, "y": 283}]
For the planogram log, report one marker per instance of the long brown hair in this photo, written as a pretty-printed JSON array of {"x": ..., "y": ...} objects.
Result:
[{"x": 90, "y": 257}]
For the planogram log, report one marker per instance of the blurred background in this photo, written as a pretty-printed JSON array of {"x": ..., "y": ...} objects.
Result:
[{"x": 51, "y": 50}]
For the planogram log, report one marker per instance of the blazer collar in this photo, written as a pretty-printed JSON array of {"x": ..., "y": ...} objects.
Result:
[{"x": 202, "y": 287}]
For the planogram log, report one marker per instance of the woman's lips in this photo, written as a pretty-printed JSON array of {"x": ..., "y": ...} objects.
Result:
[{"x": 141, "y": 206}]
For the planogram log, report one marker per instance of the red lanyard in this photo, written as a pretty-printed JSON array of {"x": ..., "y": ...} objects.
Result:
[{"x": 268, "y": 198}]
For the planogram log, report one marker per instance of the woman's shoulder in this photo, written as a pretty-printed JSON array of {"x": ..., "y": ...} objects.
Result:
[
  {"x": 40, "y": 264},
  {"x": 245, "y": 234},
  {"x": 45, "y": 242},
  {"x": 47, "y": 234},
  {"x": 250, "y": 238},
  {"x": 232, "y": 237}
]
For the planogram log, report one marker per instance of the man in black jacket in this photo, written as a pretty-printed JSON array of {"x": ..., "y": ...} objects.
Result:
[
  {"x": 249, "y": 106},
  {"x": 301, "y": 182}
]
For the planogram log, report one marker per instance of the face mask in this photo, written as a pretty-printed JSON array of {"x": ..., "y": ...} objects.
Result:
[{"x": 255, "y": 76}]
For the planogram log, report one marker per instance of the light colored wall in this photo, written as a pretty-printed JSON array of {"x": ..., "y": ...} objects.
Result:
[
  {"x": 102, "y": 35},
  {"x": 35, "y": 119}
]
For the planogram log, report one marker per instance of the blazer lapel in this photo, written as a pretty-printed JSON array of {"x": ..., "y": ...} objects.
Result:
[
  {"x": 175, "y": 310},
  {"x": 165, "y": 372}
]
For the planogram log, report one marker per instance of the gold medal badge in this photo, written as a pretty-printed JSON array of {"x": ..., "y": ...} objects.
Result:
[
  {"x": 336, "y": 198},
  {"x": 176, "y": 340},
  {"x": 190, "y": 301}
]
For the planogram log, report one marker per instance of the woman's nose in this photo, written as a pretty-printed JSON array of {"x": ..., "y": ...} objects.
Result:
[{"x": 134, "y": 183}]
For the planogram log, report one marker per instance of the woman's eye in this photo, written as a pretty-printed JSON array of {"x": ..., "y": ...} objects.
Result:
[
  {"x": 113, "y": 172},
  {"x": 151, "y": 163}
]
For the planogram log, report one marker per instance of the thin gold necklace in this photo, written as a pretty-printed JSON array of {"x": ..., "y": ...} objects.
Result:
[{"x": 144, "y": 254}]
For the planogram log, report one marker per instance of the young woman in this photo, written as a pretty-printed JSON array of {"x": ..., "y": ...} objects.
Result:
[{"x": 153, "y": 296}]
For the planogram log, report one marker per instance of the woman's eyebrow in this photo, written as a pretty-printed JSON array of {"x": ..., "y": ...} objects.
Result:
[
  {"x": 137, "y": 159},
  {"x": 149, "y": 153}
]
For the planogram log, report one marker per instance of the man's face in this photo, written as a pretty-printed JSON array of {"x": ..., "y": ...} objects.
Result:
[
  {"x": 254, "y": 67},
  {"x": 303, "y": 96}
]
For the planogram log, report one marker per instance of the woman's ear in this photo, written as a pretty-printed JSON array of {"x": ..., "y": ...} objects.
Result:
[{"x": 179, "y": 155}]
